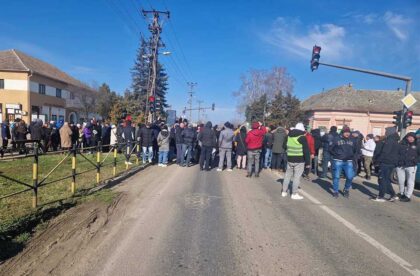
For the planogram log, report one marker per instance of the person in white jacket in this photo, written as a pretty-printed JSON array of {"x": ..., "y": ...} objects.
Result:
[
  {"x": 114, "y": 135},
  {"x": 368, "y": 149}
]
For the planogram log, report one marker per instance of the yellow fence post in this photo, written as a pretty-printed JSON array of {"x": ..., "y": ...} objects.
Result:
[
  {"x": 137, "y": 153},
  {"x": 35, "y": 177},
  {"x": 114, "y": 172},
  {"x": 73, "y": 170},
  {"x": 127, "y": 156},
  {"x": 98, "y": 163}
]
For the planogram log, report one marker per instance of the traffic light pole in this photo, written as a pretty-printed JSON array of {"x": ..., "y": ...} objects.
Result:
[{"x": 407, "y": 80}]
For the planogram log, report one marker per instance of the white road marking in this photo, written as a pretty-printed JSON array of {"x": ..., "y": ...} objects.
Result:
[{"x": 400, "y": 261}]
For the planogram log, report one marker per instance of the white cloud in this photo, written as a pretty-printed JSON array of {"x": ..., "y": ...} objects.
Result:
[
  {"x": 288, "y": 35},
  {"x": 398, "y": 24}
]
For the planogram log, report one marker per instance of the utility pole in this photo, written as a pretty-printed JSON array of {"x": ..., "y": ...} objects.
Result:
[
  {"x": 199, "y": 110},
  {"x": 155, "y": 29},
  {"x": 191, "y": 94}
]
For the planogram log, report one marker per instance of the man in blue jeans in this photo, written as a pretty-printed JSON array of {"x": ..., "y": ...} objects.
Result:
[{"x": 343, "y": 150}]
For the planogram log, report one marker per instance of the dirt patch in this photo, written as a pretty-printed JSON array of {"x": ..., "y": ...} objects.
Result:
[{"x": 52, "y": 250}]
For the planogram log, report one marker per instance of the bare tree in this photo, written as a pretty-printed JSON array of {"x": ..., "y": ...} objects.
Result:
[
  {"x": 257, "y": 83},
  {"x": 87, "y": 102}
]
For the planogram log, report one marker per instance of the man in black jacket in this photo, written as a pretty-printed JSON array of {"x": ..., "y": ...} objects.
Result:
[
  {"x": 207, "y": 138},
  {"x": 327, "y": 141},
  {"x": 189, "y": 137},
  {"x": 409, "y": 154},
  {"x": 128, "y": 138},
  {"x": 145, "y": 137},
  {"x": 343, "y": 151},
  {"x": 179, "y": 141},
  {"x": 386, "y": 155}
]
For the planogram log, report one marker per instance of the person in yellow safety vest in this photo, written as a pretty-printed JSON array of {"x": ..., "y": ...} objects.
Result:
[{"x": 298, "y": 158}]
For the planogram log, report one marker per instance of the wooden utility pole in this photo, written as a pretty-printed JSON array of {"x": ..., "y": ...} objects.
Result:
[{"x": 155, "y": 29}]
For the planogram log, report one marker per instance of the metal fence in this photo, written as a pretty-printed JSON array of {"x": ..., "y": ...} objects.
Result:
[{"x": 37, "y": 183}]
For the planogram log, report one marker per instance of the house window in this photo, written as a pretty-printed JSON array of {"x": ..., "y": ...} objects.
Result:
[
  {"x": 58, "y": 93},
  {"x": 1, "y": 83},
  {"x": 41, "y": 89},
  {"x": 72, "y": 96}
]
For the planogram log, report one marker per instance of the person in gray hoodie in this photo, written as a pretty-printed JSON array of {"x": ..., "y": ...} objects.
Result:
[
  {"x": 225, "y": 147},
  {"x": 163, "y": 143}
]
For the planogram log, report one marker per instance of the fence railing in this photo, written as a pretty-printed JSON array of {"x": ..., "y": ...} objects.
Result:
[{"x": 73, "y": 153}]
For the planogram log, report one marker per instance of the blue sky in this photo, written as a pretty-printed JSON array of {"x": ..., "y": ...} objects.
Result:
[{"x": 214, "y": 42}]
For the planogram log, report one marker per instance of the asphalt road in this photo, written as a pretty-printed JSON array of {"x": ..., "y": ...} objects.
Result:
[{"x": 181, "y": 221}]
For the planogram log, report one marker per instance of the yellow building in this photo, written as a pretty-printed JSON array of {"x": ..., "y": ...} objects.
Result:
[{"x": 31, "y": 88}]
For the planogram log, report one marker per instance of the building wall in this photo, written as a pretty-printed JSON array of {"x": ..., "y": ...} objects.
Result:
[
  {"x": 366, "y": 123},
  {"x": 15, "y": 92},
  {"x": 23, "y": 90}
]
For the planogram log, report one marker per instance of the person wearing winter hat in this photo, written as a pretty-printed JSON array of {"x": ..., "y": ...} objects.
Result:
[
  {"x": 254, "y": 140},
  {"x": 298, "y": 158},
  {"x": 343, "y": 151},
  {"x": 409, "y": 154}
]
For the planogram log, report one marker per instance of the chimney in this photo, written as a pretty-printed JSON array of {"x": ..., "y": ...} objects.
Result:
[{"x": 350, "y": 85}]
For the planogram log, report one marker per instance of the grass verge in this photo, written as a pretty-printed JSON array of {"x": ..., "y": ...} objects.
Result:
[{"x": 18, "y": 220}]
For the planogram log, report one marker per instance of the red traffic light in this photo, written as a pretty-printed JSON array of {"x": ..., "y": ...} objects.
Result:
[
  {"x": 409, "y": 113},
  {"x": 151, "y": 99},
  {"x": 316, "y": 50}
]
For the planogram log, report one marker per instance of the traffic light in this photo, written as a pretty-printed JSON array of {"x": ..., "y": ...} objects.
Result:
[
  {"x": 151, "y": 99},
  {"x": 316, "y": 50},
  {"x": 152, "y": 108},
  {"x": 397, "y": 119},
  {"x": 213, "y": 106},
  {"x": 408, "y": 119}
]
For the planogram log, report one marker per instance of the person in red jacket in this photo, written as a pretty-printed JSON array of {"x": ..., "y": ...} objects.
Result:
[
  {"x": 254, "y": 141},
  {"x": 311, "y": 145}
]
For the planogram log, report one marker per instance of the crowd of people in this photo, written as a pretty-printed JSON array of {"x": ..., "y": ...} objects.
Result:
[
  {"x": 292, "y": 152},
  {"x": 52, "y": 136}
]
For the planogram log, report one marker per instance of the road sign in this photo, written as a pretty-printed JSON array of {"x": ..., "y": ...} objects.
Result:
[{"x": 409, "y": 100}]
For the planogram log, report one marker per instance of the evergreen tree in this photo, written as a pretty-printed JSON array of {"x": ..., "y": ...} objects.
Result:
[
  {"x": 140, "y": 78},
  {"x": 255, "y": 111},
  {"x": 161, "y": 91}
]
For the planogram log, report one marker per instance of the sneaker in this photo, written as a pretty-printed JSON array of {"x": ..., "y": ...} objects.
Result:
[
  {"x": 257, "y": 175},
  {"x": 297, "y": 196},
  {"x": 160, "y": 165},
  {"x": 229, "y": 170},
  {"x": 405, "y": 199},
  {"x": 283, "y": 194},
  {"x": 378, "y": 199},
  {"x": 248, "y": 175},
  {"x": 128, "y": 163},
  {"x": 219, "y": 170},
  {"x": 393, "y": 198},
  {"x": 400, "y": 195},
  {"x": 164, "y": 165},
  {"x": 346, "y": 193},
  {"x": 335, "y": 194}
]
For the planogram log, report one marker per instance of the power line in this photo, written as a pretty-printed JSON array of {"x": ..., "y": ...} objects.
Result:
[
  {"x": 171, "y": 25},
  {"x": 126, "y": 19}
]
